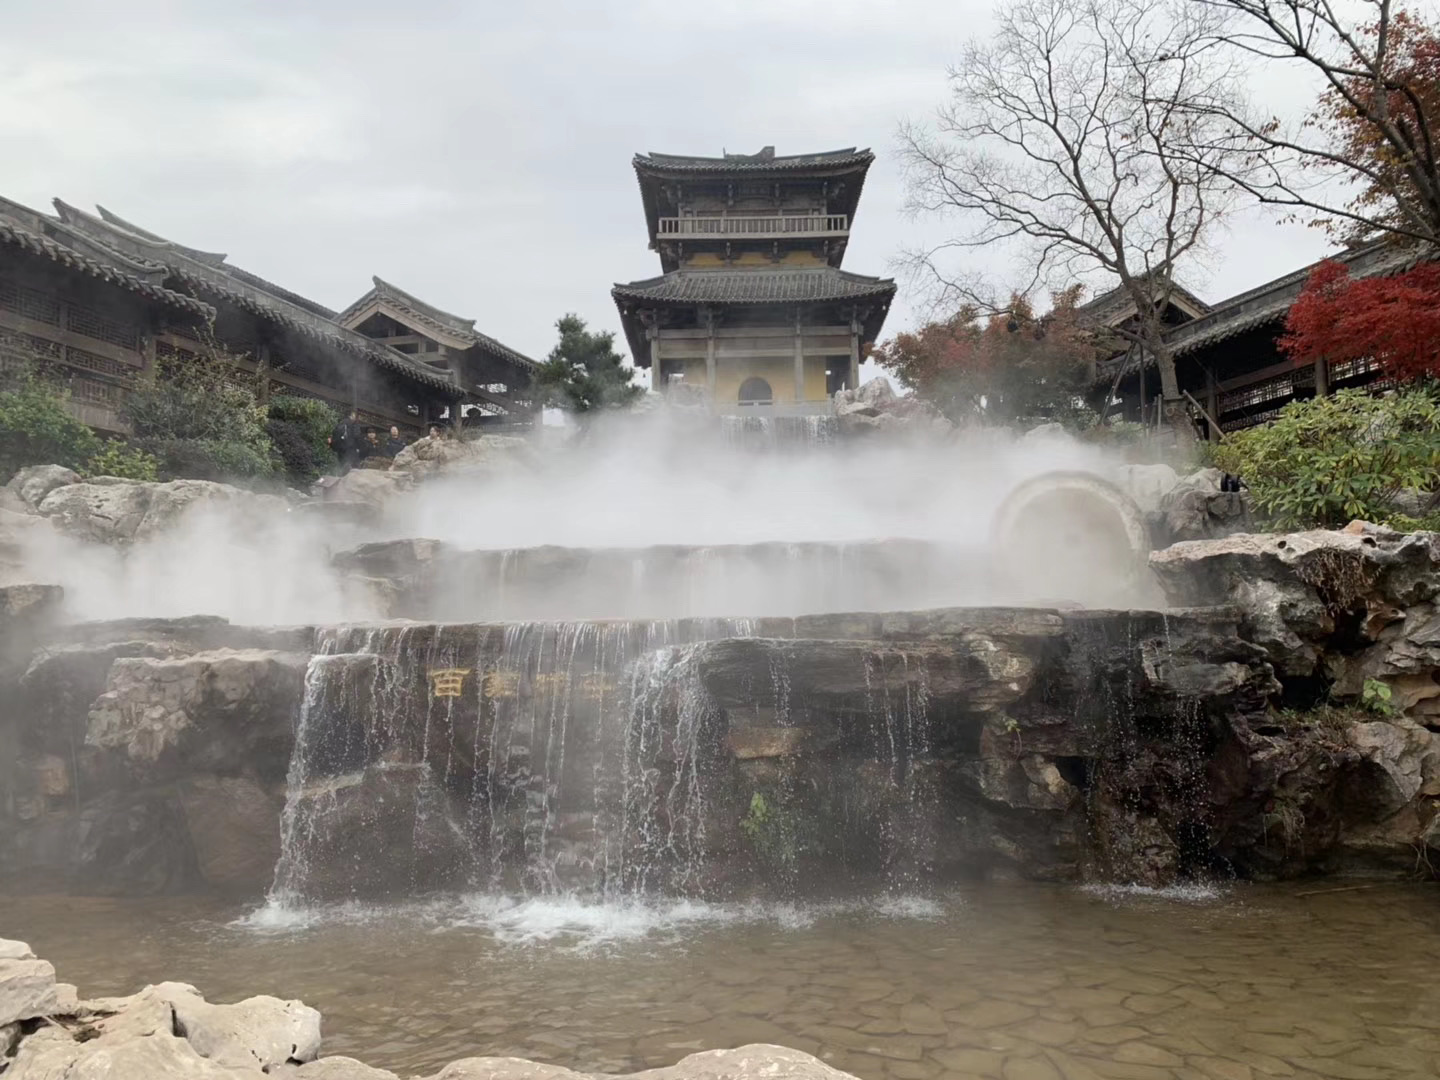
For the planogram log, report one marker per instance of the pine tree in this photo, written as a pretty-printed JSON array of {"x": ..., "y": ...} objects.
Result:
[{"x": 584, "y": 372}]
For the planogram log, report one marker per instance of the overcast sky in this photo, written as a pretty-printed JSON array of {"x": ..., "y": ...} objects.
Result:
[{"x": 478, "y": 154}]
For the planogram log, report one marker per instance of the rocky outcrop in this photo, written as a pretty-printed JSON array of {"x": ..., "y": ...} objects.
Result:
[
  {"x": 481, "y": 457},
  {"x": 1346, "y": 605},
  {"x": 27, "y": 985},
  {"x": 182, "y": 784},
  {"x": 170, "y": 1032},
  {"x": 207, "y": 712},
  {"x": 875, "y": 408},
  {"x": 111, "y": 511},
  {"x": 1196, "y": 509},
  {"x": 30, "y": 485}
]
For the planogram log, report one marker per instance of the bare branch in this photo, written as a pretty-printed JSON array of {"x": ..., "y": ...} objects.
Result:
[{"x": 1069, "y": 142}]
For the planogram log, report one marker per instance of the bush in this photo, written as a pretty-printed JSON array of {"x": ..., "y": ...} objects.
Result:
[
  {"x": 126, "y": 462},
  {"x": 36, "y": 428},
  {"x": 1329, "y": 460},
  {"x": 198, "y": 424},
  {"x": 300, "y": 428}
]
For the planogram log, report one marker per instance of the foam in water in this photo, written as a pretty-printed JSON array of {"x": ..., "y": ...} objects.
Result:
[
  {"x": 1185, "y": 893},
  {"x": 582, "y": 922}
]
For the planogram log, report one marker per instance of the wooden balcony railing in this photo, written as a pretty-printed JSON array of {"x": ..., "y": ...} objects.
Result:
[{"x": 727, "y": 227}]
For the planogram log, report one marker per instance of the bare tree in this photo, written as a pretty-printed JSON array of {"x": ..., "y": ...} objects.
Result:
[
  {"x": 1376, "y": 127},
  {"x": 1068, "y": 135}
]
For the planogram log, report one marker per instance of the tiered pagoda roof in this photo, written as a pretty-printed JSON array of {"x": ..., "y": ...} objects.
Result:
[
  {"x": 659, "y": 172},
  {"x": 807, "y": 285}
]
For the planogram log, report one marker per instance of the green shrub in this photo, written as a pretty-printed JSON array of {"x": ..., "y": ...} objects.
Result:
[
  {"x": 36, "y": 428},
  {"x": 198, "y": 423},
  {"x": 126, "y": 462},
  {"x": 300, "y": 429},
  {"x": 1329, "y": 460}
]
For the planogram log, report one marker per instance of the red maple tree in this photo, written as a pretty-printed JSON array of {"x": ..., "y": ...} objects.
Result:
[{"x": 1393, "y": 320}]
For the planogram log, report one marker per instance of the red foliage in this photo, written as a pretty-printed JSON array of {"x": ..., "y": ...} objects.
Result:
[{"x": 1394, "y": 320}]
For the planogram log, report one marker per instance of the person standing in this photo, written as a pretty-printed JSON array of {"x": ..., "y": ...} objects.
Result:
[
  {"x": 347, "y": 440},
  {"x": 395, "y": 443}
]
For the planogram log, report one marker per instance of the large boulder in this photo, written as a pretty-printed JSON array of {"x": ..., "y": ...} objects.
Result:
[
  {"x": 27, "y": 985},
  {"x": 169, "y": 1032},
  {"x": 875, "y": 407},
  {"x": 30, "y": 485},
  {"x": 488, "y": 455},
  {"x": 368, "y": 487},
  {"x": 1296, "y": 588},
  {"x": 223, "y": 711},
  {"x": 113, "y": 511},
  {"x": 1194, "y": 508},
  {"x": 234, "y": 829}
]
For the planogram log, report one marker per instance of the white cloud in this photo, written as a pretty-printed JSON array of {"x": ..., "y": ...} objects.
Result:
[{"x": 476, "y": 153}]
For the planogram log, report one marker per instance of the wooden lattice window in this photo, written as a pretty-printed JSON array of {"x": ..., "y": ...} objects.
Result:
[
  {"x": 91, "y": 392},
  {"x": 28, "y": 302},
  {"x": 103, "y": 364},
  {"x": 102, "y": 328}
]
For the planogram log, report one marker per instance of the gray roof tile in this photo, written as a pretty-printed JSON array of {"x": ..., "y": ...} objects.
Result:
[{"x": 762, "y": 286}]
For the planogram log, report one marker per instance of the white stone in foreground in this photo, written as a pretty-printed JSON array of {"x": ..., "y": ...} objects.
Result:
[{"x": 27, "y": 985}]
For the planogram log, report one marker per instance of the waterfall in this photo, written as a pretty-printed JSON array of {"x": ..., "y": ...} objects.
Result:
[
  {"x": 530, "y": 757},
  {"x": 612, "y": 759},
  {"x": 770, "y": 433}
]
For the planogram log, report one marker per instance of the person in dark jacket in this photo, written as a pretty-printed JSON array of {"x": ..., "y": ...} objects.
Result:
[
  {"x": 395, "y": 443},
  {"x": 348, "y": 441}
]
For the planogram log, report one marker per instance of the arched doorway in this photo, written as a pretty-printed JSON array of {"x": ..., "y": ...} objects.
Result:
[{"x": 755, "y": 391}]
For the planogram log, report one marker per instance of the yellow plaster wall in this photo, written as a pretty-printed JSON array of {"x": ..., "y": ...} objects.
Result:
[{"x": 778, "y": 371}]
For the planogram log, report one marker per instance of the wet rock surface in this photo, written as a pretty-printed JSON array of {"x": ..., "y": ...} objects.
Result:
[
  {"x": 108, "y": 510},
  {"x": 739, "y": 757}
]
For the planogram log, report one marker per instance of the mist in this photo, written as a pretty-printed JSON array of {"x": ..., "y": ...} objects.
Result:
[{"x": 631, "y": 483}]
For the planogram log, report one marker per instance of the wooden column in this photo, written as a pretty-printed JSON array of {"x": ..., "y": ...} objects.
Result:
[
  {"x": 799, "y": 361},
  {"x": 854, "y": 382},
  {"x": 657, "y": 374},
  {"x": 1212, "y": 406},
  {"x": 710, "y": 355}
]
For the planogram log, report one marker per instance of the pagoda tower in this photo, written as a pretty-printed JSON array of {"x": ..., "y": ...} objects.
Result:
[{"x": 752, "y": 304}]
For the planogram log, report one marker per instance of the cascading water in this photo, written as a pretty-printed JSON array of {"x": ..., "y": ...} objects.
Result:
[
  {"x": 770, "y": 433},
  {"x": 608, "y": 759},
  {"x": 530, "y": 757}
]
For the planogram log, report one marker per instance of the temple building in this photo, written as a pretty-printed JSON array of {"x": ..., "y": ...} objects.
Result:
[
  {"x": 752, "y": 305},
  {"x": 96, "y": 301},
  {"x": 1227, "y": 355}
]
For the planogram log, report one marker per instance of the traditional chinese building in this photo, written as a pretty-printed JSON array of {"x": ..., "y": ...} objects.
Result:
[
  {"x": 1227, "y": 355},
  {"x": 97, "y": 301},
  {"x": 752, "y": 304}
]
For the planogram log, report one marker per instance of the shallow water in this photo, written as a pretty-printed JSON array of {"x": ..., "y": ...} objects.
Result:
[{"x": 1010, "y": 982}]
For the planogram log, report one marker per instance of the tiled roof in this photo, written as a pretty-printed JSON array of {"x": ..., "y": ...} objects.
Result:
[
  {"x": 765, "y": 161},
  {"x": 763, "y": 286},
  {"x": 430, "y": 316},
  {"x": 37, "y": 244},
  {"x": 209, "y": 273},
  {"x": 1116, "y": 300},
  {"x": 1269, "y": 303}
]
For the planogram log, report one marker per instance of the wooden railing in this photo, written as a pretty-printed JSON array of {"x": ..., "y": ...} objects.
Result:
[{"x": 725, "y": 227}]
